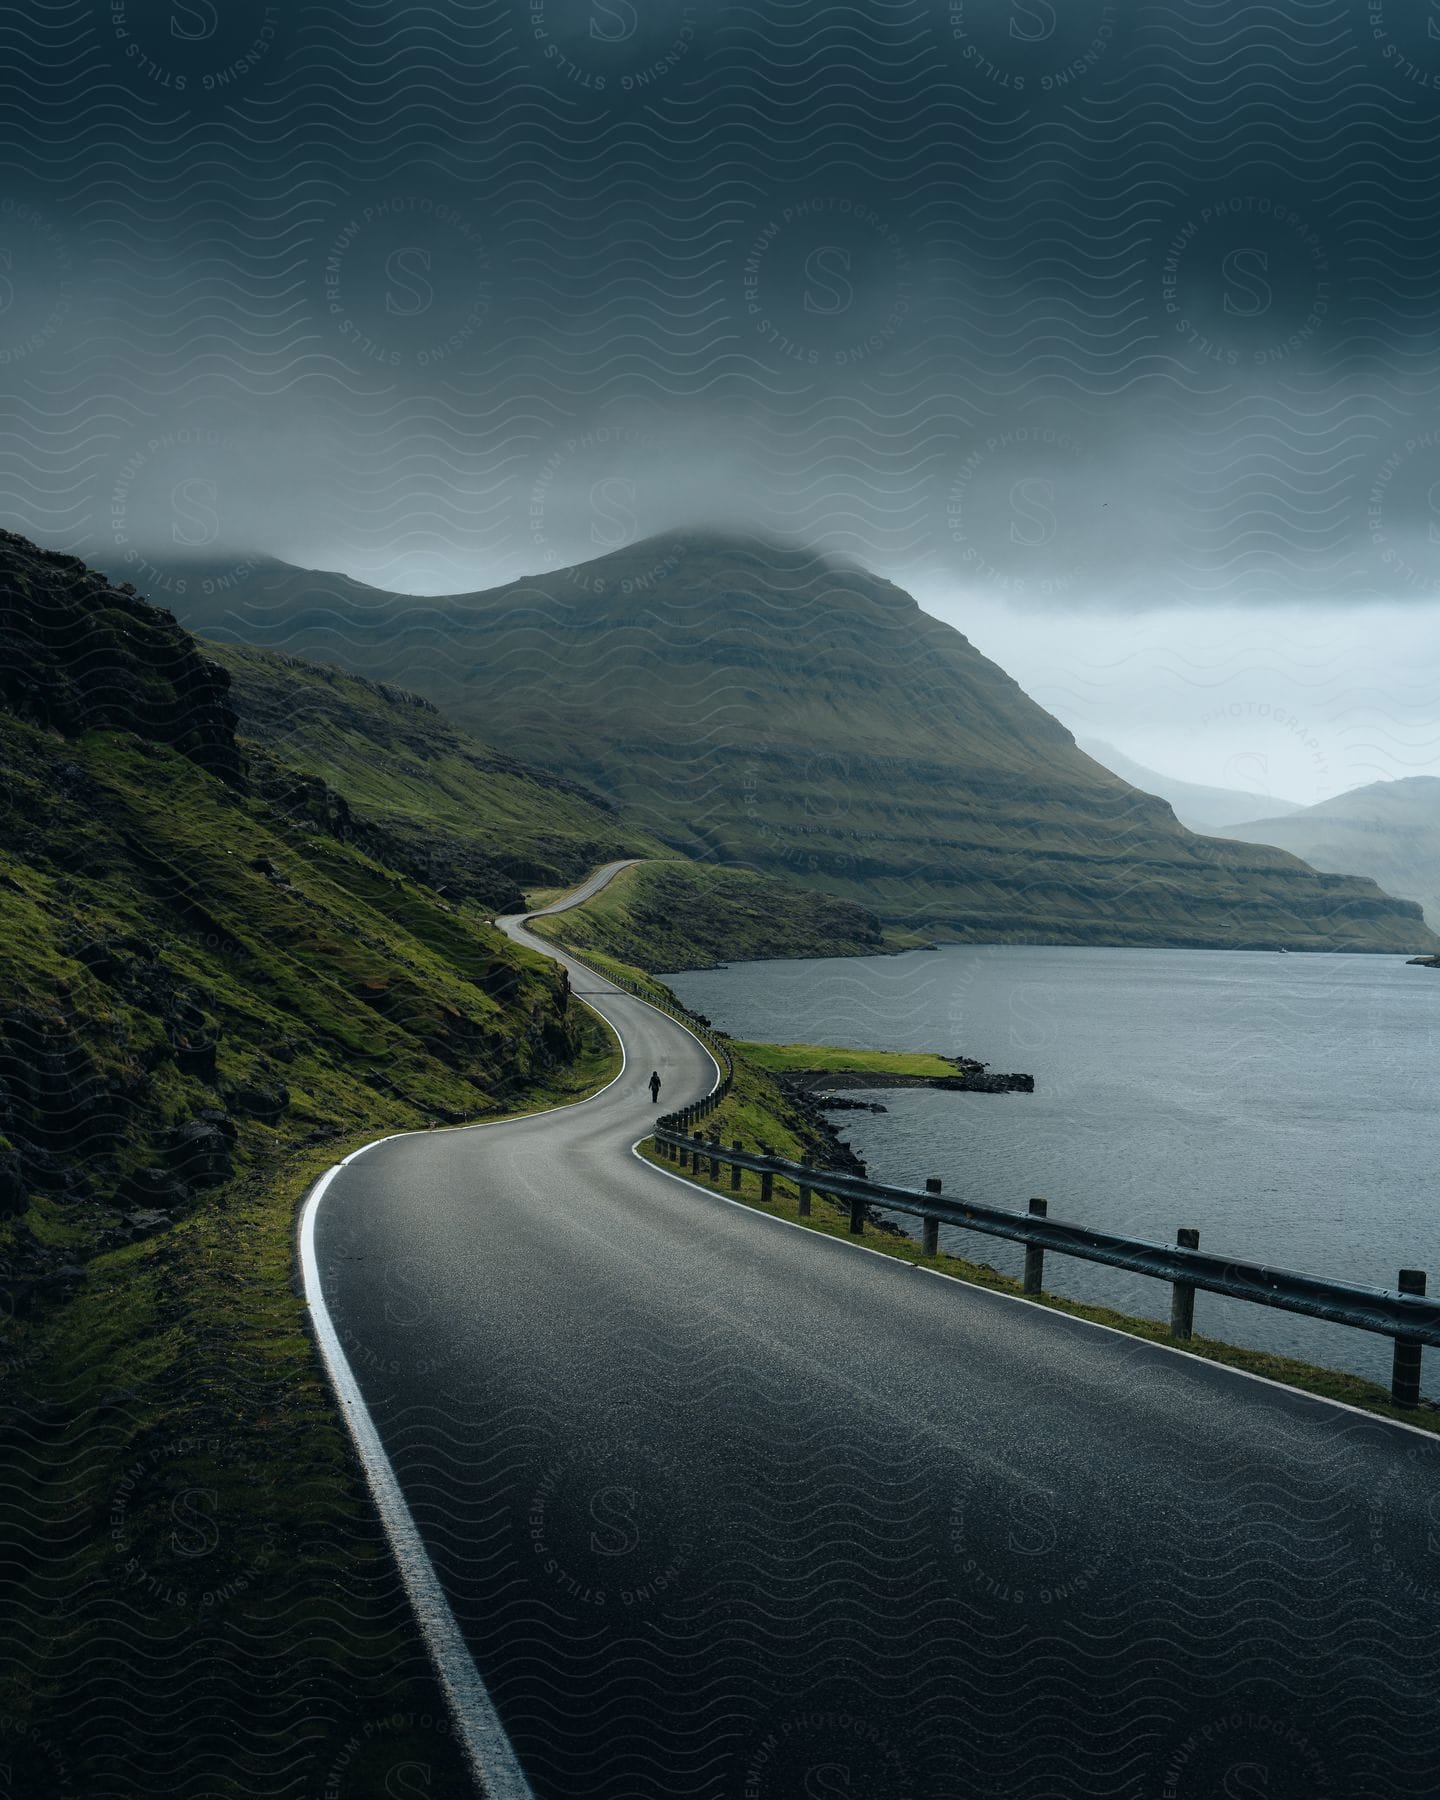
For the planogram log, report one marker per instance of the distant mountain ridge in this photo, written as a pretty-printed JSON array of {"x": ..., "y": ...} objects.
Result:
[
  {"x": 749, "y": 701},
  {"x": 1388, "y": 830},
  {"x": 1207, "y": 810}
]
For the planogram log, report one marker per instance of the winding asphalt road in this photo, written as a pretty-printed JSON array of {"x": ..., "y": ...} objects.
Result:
[{"x": 727, "y": 1510}]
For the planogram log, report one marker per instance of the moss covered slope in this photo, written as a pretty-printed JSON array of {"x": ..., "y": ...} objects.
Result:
[
  {"x": 383, "y": 768},
  {"x": 206, "y": 997},
  {"x": 181, "y": 974}
]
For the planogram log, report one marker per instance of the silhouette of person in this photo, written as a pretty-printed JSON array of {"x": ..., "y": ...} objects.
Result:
[{"x": 654, "y": 1087}]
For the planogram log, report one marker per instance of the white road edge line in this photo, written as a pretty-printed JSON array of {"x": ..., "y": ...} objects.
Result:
[{"x": 487, "y": 1746}]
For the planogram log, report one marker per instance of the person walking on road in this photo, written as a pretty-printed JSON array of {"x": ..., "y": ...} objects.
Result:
[{"x": 654, "y": 1087}]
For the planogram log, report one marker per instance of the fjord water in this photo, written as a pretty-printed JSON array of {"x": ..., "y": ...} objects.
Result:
[{"x": 1286, "y": 1105}]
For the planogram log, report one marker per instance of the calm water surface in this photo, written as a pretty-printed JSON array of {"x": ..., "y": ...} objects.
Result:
[{"x": 1284, "y": 1105}]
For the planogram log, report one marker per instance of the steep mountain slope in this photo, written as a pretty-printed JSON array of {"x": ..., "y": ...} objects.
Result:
[
  {"x": 204, "y": 1000},
  {"x": 424, "y": 798},
  {"x": 751, "y": 702},
  {"x": 1388, "y": 830},
  {"x": 1197, "y": 807},
  {"x": 180, "y": 959}
]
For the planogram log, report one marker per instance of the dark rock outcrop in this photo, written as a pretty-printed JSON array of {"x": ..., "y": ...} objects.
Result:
[
  {"x": 200, "y": 1150},
  {"x": 265, "y": 1101},
  {"x": 12, "y": 1184},
  {"x": 154, "y": 1192},
  {"x": 53, "y": 1097},
  {"x": 77, "y": 654}
]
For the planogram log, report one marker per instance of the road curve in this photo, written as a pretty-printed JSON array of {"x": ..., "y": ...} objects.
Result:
[
  {"x": 514, "y": 923},
  {"x": 729, "y": 1511}
]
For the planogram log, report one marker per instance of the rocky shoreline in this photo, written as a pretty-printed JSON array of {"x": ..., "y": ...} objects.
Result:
[{"x": 837, "y": 1153}]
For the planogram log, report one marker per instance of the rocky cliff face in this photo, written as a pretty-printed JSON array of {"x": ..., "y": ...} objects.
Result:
[{"x": 78, "y": 654}]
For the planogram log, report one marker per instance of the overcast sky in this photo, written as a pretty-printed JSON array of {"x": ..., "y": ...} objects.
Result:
[{"x": 1110, "y": 330}]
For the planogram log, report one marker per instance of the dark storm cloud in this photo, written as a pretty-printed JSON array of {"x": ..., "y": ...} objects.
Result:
[{"x": 1080, "y": 304}]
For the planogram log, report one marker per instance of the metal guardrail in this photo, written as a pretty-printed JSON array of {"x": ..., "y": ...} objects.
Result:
[{"x": 1403, "y": 1314}]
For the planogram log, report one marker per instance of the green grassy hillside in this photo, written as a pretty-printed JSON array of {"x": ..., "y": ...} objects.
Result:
[
  {"x": 749, "y": 702},
  {"x": 433, "y": 801},
  {"x": 172, "y": 951},
  {"x": 205, "y": 999},
  {"x": 681, "y": 915}
]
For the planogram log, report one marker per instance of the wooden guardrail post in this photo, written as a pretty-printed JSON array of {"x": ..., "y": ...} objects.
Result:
[
  {"x": 1182, "y": 1293},
  {"x": 1034, "y": 1279},
  {"x": 803, "y": 1209},
  {"x": 697, "y": 1138},
  {"x": 682, "y": 1155},
  {"x": 930, "y": 1228},
  {"x": 714, "y": 1156},
  {"x": 736, "y": 1172},
  {"x": 1405, "y": 1369},
  {"x": 767, "y": 1178},
  {"x": 857, "y": 1207}
]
